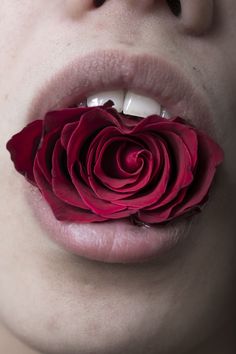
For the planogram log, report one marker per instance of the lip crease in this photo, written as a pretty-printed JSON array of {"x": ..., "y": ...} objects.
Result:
[{"x": 116, "y": 241}]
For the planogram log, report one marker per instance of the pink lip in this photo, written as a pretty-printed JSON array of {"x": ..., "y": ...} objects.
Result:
[
  {"x": 117, "y": 242},
  {"x": 110, "y": 242},
  {"x": 114, "y": 69}
]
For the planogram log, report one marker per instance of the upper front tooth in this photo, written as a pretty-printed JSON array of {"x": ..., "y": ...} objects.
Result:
[
  {"x": 129, "y": 102},
  {"x": 100, "y": 98},
  {"x": 141, "y": 106}
]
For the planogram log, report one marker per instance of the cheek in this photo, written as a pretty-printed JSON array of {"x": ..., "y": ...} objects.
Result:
[{"x": 14, "y": 19}]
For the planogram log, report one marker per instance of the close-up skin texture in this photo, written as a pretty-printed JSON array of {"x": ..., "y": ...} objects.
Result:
[{"x": 108, "y": 299}]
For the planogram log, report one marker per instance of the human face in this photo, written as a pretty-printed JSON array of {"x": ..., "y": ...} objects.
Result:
[{"x": 61, "y": 303}]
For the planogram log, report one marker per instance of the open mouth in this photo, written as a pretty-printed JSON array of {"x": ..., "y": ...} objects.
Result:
[{"x": 139, "y": 86}]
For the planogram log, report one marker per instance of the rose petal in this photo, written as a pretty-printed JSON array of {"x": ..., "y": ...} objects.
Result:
[
  {"x": 185, "y": 132},
  {"x": 62, "y": 185},
  {"x": 210, "y": 156},
  {"x": 66, "y": 133},
  {"x": 61, "y": 210},
  {"x": 59, "y": 118},
  {"x": 87, "y": 127},
  {"x": 97, "y": 205},
  {"x": 163, "y": 213},
  {"x": 155, "y": 190},
  {"x": 100, "y": 188},
  {"x": 44, "y": 154},
  {"x": 108, "y": 166},
  {"x": 182, "y": 174},
  {"x": 23, "y": 147}
]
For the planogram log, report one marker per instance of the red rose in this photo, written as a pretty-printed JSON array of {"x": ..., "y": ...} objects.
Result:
[{"x": 94, "y": 164}]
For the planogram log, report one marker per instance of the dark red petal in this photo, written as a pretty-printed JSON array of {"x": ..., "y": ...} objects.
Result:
[
  {"x": 210, "y": 156},
  {"x": 95, "y": 204},
  {"x": 59, "y": 118},
  {"x": 152, "y": 144},
  {"x": 108, "y": 179},
  {"x": 118, "y": 215},
  {"x": 100, "y": 188},
  {"x": 44, "y": 154},
  {"x": 156, "y": 190},
  {"x": 98, "y": 148},
  {"x": 103, "y": 164},
  {"x": 23, "y": 147},
  {"x": 187, "y": 134},
  {"x": 182, "y": 174},
  {"x": 158, "y": 125},
  {"x": 89, "y": 125},
  {"x": 147, "y": 124},
  {"x": 62, "y": 185},
  {"x": 129, "y": 158},
  {"x": 163, "y": 213},
  {"x": 93, "y": 154},
  {"x": 61, "y": 210},
  {"x": 66, "y": 133},
  {"x": 111, "y": 170}
]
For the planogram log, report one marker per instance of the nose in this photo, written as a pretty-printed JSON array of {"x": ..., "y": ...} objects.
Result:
[{"x": 192, "y": 16}]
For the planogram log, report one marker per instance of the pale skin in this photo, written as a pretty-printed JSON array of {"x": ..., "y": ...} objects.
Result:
[{"x": 56, "y": 302}]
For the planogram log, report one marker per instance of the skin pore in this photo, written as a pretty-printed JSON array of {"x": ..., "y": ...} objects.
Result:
[{"x": 57, "y": 302}]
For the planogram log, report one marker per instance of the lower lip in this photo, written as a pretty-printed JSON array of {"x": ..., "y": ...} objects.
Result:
[{"x": 110, "y": 242}]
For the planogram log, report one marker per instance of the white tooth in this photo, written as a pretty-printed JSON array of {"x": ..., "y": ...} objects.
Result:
[
  {"x": 141, "y": 106},
  {"x": 100, "y": 98},
  {"x": 165, "y": 113}
]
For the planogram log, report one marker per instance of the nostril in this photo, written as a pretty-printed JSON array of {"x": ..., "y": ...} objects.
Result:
[
  {"x": 175, "y": 7},
  {"x": 98, "y": 3}
]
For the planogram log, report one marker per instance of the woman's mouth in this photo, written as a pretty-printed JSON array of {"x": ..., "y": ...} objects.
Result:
[
  {"x": 120, "y": 76},
  {"x": 139, "y": 86}
]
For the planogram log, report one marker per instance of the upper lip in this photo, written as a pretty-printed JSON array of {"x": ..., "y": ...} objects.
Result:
[{"x": 114, "y": 69}]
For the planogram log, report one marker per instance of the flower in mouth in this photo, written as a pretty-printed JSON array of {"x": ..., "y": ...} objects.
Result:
[{"x": 94, "y": 164}]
